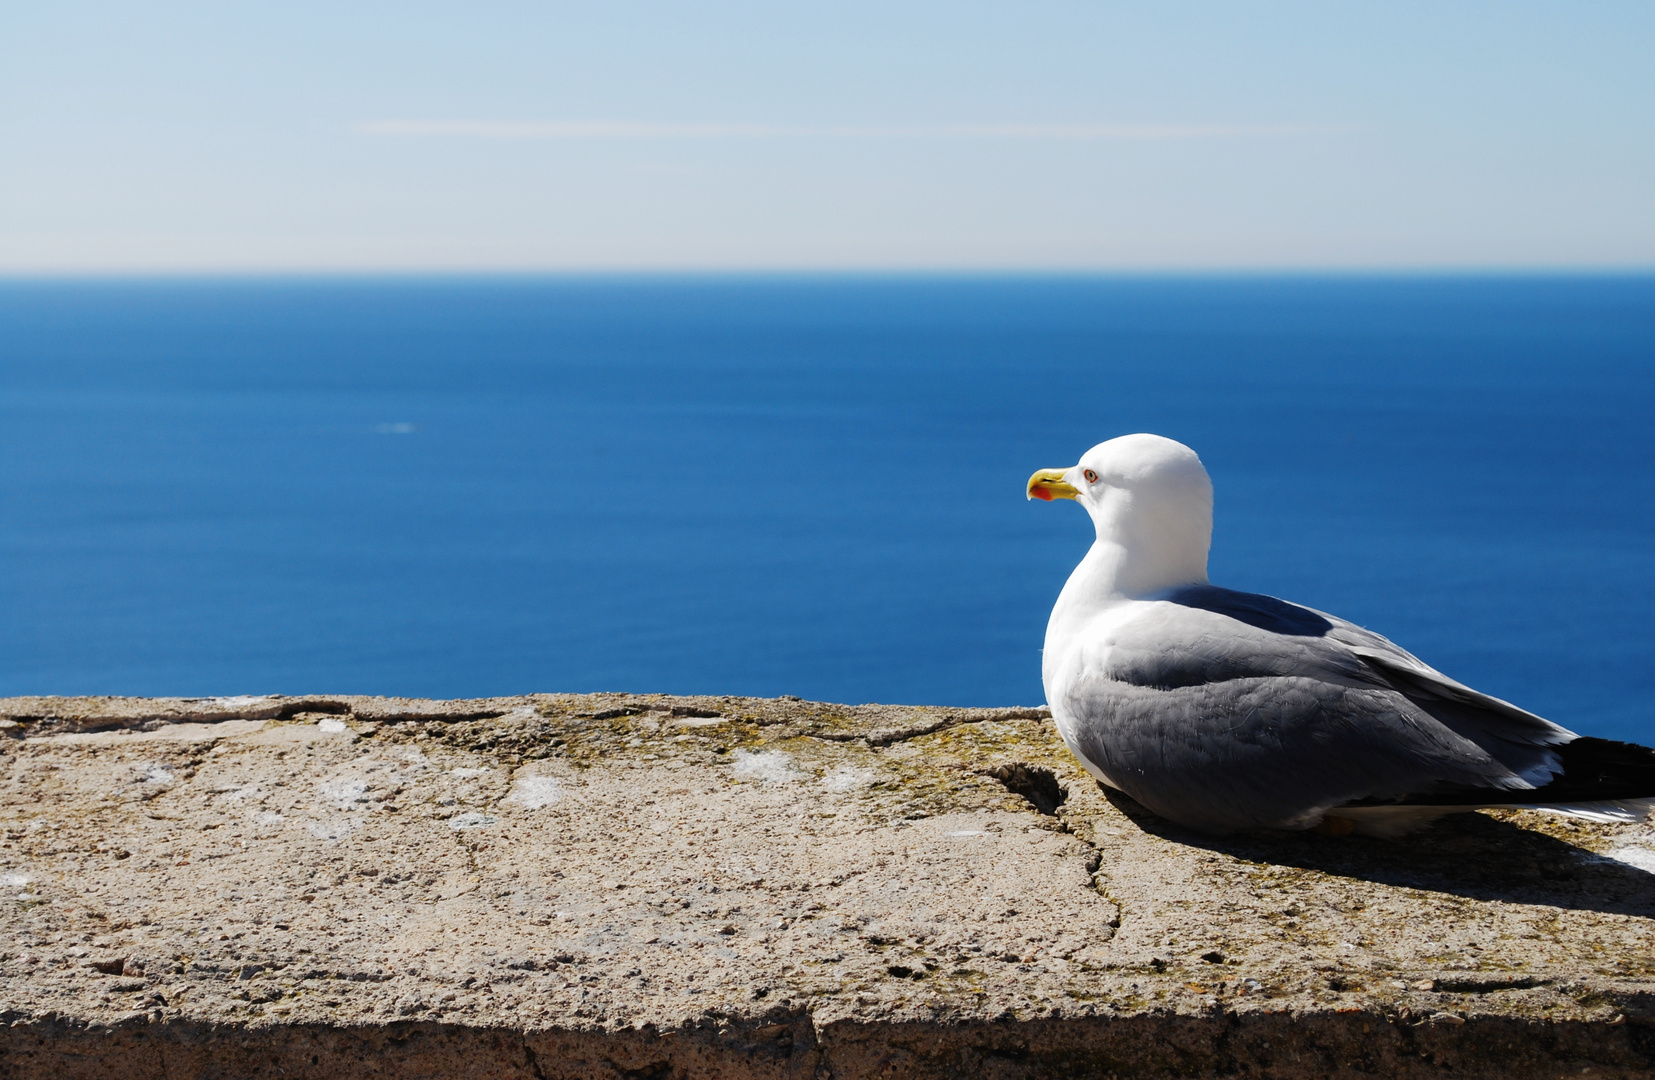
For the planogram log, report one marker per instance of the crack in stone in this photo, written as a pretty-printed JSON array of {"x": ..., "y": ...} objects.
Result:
[
  {"x": 1096, "y": 878},
  {"x": 1036, "y": 784},
  {"x": 916, "y": 731},
  {"x": 1040, "y": 788}
]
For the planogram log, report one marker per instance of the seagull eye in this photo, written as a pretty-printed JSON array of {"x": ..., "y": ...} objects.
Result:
[{"x": 1091, "y": 477}]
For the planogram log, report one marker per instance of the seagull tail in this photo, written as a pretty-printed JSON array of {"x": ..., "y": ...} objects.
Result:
[
  {"x": 1598, "y": 772},
  {"x": 1599, "y": 780},
  {"x": 1596, "y": 779}
]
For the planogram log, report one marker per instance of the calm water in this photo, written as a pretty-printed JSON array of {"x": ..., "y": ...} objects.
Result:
[{"x": 807, "y": 486}]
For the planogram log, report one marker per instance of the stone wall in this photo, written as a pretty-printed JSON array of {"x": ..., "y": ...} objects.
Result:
[{"x": 645, "y": 886}]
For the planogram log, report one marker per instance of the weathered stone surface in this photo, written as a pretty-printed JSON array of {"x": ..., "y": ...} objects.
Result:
[{"x": 617, "y": 885}]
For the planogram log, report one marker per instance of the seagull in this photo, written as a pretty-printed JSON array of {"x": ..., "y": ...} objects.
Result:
[{"x": 1223, "y": 710}]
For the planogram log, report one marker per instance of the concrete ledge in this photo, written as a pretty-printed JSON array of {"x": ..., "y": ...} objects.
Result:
[{"x": 645, "y": 886}]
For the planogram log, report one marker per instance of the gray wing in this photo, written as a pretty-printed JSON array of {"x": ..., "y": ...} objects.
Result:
[{"x": 1228, "y": 710}]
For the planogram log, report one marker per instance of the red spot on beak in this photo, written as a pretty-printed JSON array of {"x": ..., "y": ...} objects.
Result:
[{"x": 1042, "y": 492}]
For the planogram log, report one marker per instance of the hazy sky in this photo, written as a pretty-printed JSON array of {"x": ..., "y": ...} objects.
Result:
[{"x": 192, "y": 136}]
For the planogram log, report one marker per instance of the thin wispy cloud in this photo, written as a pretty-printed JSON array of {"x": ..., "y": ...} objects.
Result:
[{"x": 608, "y": 129}]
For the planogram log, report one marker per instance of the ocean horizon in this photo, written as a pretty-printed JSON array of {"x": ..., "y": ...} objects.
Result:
[{"x": 811, "y": 484}]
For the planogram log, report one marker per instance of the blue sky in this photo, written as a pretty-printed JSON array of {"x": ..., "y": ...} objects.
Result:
[{"x": 1038, "y": 135}]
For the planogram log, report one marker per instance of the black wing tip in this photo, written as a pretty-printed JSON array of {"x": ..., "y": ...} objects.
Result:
[
  {"x": 1596, "y": 768},
  {"x": 1592, "y": 770}
]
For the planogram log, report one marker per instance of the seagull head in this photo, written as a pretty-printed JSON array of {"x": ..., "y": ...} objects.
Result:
[{"x": 1152, "y": 503}]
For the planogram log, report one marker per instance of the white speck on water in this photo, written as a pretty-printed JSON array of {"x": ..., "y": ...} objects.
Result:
[
  {"x": 158, "y": 774},
  {"x": 331, "y": 724},
  {"x": 846, "y": 778},
  {"x": 400, "y": 427},
  {"x": 14, "y": 881},
  {"x": 471, "y": 819},
  {"x": 535, "y": 792},
  {"x": 769, "y": 766},
  {"x": 345, "y": 794}
]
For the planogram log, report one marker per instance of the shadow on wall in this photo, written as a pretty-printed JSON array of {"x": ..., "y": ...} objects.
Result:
[{"x": 1472, "y": 855}]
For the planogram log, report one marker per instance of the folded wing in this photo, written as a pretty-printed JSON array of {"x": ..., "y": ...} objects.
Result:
[{"x": 1228, "y": 710}]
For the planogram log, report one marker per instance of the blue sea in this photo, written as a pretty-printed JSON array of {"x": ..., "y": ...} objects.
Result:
[{"x": 801, "y": 485}]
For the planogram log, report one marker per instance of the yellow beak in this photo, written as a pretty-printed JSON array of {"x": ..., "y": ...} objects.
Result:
[{"x": 1049, "y": 484}]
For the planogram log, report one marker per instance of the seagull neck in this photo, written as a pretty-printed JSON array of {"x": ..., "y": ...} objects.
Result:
[{"x": 1111, "y": 572}]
